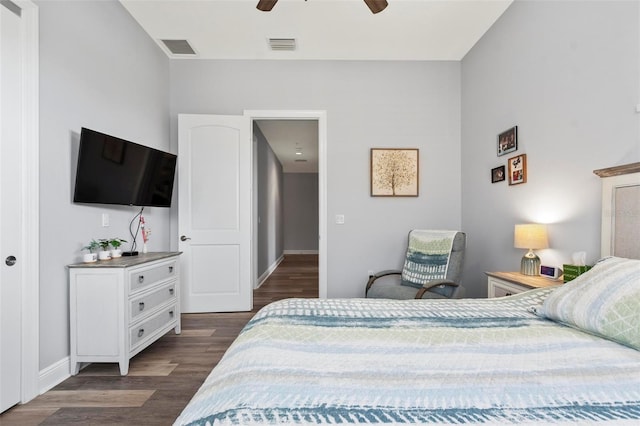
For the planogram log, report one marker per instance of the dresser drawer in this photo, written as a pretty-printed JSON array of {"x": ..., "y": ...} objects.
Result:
[
  {"x": 148, "y": 302},
  {"x": 148, "y": 328},
  {"x": 146, "y": 277}
]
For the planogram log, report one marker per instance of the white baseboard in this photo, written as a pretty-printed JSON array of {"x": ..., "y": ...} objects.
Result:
[
  {"x": 301, "y": 252},
  {"x": 53, "y": 375},
  {"x": 262, "y": 278}
]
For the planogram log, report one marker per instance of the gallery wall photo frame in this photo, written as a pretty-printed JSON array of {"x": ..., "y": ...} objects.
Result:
[
  {"x": 394, "y": 172},
  {"x": 497, "y": 174},
  {"x": 508, "y": 141},
  {"x": 517, "y": 169}
]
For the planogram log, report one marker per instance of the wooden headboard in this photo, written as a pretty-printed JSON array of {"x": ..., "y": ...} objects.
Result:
[{"x": 620, "y": 211}]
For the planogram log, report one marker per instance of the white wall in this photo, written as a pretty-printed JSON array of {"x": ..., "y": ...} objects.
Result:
[
  {"x": 98, "y": 69},
  {"x": 368, "y": 104},
  {"x": 566, "y": 73}
]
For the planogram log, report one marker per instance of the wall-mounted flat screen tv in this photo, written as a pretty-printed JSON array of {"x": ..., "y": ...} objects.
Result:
[{"x": 115, "y": 171}]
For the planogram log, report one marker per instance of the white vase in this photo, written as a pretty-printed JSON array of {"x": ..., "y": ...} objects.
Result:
[
  {"x": 144, "y": 247},
  {"x": 90, "y": 257},
  {"x": 116, "y": 253},
  {"x": 104, "y": 255}
]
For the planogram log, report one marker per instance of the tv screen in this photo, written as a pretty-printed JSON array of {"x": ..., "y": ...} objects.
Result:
[{"x": 115, "y": 171}]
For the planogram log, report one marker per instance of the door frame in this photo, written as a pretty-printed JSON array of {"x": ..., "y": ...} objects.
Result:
[
  {"x": 321, "y": 117},
  {"x": 30, "y": 253}
]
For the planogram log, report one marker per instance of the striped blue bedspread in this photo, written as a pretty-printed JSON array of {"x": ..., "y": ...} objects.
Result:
[{"x": 483, "y": 361}]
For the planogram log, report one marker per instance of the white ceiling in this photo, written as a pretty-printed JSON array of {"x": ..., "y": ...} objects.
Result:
[
  {"x": 324, "y": 30},
  {"x": 287, "y": 137}
]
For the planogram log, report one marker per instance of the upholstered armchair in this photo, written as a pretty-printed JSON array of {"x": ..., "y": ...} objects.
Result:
[{"x": 432, "y": 268}]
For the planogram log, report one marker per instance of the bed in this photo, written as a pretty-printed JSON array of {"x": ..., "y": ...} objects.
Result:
[{"x": 563, "y": 355}]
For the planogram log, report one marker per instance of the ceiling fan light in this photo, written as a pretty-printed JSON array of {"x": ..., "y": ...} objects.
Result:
[
  {"x": 376, "y": 5},
  {"x": 266, "y": 5}
]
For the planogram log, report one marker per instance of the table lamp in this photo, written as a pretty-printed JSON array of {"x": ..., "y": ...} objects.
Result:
[{"x": 530, "y": 236}]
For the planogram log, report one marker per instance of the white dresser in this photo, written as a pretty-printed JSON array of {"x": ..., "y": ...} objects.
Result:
[{"x": 119, "y": 307}]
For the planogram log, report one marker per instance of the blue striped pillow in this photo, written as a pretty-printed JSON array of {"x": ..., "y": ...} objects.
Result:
[{"x": 604, "y": 301}]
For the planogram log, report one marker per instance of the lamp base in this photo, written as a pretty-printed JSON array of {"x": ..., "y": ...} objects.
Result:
[{"x": 530, "y": 264}]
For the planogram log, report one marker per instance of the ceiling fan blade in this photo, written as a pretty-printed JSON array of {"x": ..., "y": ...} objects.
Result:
[
  {"x": 376, "y": 5},
  {"x": 266, "y": 5}
]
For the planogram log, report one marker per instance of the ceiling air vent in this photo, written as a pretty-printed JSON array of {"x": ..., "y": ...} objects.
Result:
[
  {"x": 179, "y": 47},
  {"x": 286, "y": 44},
  {"x": 300, "y": 161}
]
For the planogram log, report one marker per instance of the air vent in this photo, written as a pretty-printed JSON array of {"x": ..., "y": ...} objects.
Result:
[
  {"x": 179, "y": 47},
  {"x": 300, "y": 161},
  {"x": 282, "y": 44}
]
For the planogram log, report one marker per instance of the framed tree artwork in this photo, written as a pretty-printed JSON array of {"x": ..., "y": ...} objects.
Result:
[
  {"x": 394, "y": 172},
  {"x": 518, "y": 169}
]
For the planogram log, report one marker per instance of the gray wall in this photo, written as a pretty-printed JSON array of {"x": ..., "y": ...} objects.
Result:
[
  {"x": 300, "y": 212},
  {"x": 98, "y": 69},
  {"x": 270, "y": 204},
  {"x": 566, "y": 73},
  {"x": 368, "y": 104}
]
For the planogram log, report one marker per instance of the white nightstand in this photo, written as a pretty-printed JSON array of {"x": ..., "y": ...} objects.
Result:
[{"x": 507, "y": 283}]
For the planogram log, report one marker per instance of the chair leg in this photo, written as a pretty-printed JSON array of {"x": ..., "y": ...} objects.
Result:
[{"x": 420, "y": 293}]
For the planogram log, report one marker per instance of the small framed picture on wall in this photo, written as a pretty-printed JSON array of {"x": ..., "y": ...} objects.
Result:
[
  {"x": 508, "y": 141},
  {"x": 497, "y": 174},
  {"x": 518, "y": 169}
]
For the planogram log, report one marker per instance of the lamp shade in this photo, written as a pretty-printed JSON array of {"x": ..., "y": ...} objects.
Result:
[{"x": 530, "y": 236}]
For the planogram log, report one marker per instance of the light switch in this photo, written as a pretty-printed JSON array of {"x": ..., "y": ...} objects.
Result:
[
  {"x": 105, "y": 220},
  {"x": 340, "y": 219}
]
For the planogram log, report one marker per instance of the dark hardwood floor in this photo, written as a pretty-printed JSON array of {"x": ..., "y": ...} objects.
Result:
[{"x": 162, "y": 378}]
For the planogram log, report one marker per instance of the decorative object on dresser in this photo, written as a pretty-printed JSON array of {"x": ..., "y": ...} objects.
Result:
[
  {"x": 116, "y": 243},
  {"x": 507, "y": 283},
  {"x": 118, "y": 308},
  {"x": 91, "y": 256},
  {"x": 104, "y": 253},
  {"x": 530, "y": 236}
]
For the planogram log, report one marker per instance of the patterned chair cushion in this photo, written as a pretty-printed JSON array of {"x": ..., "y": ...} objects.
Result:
[{"x": 427, "y": 257}]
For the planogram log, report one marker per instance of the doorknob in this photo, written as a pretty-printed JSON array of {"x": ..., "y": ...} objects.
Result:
[
  {"x": 10, "y": 260},
  {"x": 184, "y": 238}
]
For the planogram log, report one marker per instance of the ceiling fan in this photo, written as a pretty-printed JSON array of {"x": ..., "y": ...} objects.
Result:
[{"x": 375, "y": 5}]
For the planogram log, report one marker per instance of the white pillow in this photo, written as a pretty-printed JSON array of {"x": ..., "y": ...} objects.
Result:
[{"x": 604, "y": 301}]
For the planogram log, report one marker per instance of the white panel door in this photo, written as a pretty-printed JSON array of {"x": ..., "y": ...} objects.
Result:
[
  {"x": 10, "y": 215},
  {"x": 214, "y": 212}
]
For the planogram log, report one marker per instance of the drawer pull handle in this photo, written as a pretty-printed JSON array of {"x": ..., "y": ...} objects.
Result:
[
  {"x": 141, "y": 306},
  {"x": 141, "y": 279},
  {"x": 140, "y": 332},
  {"x": 171, "y": 291},
  {"x": 170, "y": 269},
  {"x": 171, "y": 314}
]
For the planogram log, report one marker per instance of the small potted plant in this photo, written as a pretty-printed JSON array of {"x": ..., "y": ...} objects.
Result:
[
  {"x": 104, "y": 253},
  {"x": 91, "y": 256},
  {"x": 116, "y": 243}
]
